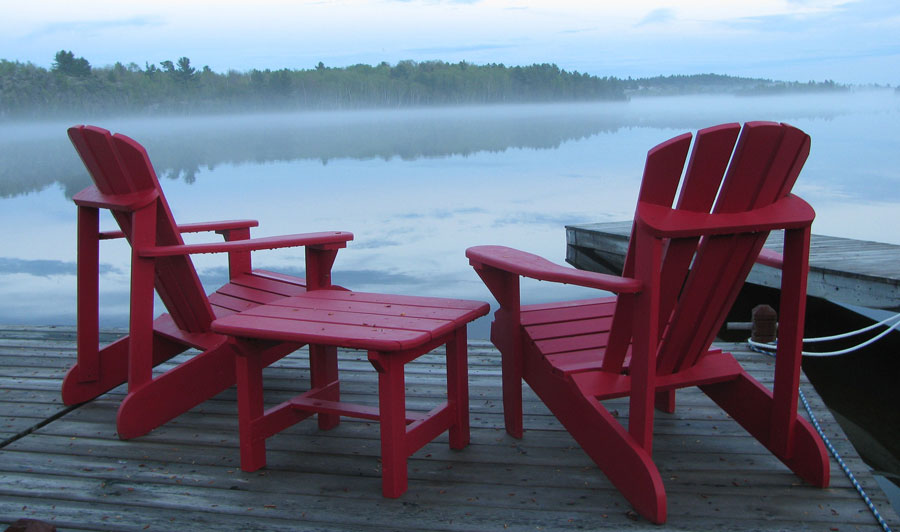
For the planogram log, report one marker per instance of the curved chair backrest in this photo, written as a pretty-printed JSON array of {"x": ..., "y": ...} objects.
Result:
[
  {"x": 118, "y": 165},
  {"x": 730, "y": 170}
]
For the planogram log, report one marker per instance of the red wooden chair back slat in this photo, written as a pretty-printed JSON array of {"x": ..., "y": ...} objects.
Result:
[
  {"x": 659, "y": 185},
  {"x": 662, "y": 175},
  {"x": 709, "y": 160},
  {"x": 763, "y": 169},
  {"x": 119, "y": 165}
]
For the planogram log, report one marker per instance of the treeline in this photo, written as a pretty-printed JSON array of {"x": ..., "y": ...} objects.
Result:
[
  {"x": 718, "y": 83},
  {"x": 73, "y": 86},
  {"x": 784, "y": 87},
  {"x": 690, "y": 84}
]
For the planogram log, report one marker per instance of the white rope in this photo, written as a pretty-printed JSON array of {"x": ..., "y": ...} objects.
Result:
[
  {"x": 870, "y": 341},
  {"x": 853, "y": 333},
  {"x": 837, "y": 457}
]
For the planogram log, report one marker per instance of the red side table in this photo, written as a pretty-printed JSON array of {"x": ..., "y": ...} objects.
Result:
[{"x": 394, "y": 330}]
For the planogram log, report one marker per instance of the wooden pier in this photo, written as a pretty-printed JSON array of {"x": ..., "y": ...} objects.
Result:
[
  {"x": 66, "y": 466},
  {"x": 845, "y": 270}
]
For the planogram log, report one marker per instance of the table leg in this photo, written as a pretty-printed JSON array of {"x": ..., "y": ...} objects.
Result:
[
  {"x": 458, "y": 388},
  {"x": 248, "y": 371},
  {"x": 323, "y": 369},
  {"x": 392, "y": 409}
]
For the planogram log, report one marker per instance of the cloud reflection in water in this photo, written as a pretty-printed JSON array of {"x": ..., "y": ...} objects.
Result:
[{"x": 416, "y": 187}]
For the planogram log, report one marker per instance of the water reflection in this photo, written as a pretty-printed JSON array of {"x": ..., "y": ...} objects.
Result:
[
  {"x": 35, "y": 155},
  {"x": 181, "y": 148},
  {"x": 415, "y": 186}
]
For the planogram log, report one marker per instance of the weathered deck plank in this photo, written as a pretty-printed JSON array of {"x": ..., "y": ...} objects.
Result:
[
  {"x": 76, "y": 473},
  {"x": 850, "y": 271}
]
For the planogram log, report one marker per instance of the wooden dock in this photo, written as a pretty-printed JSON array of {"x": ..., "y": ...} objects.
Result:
[
  {"x": 848, "y": 271},
  {"x": 66, "y": 466}
]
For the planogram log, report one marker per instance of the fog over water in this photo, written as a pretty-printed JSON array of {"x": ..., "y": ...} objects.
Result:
[{"x": 416, "y": 187}]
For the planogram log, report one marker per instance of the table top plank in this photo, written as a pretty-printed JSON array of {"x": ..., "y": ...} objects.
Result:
[
  {"x": 378, "y": 322},
  {"x": 348, "y": 317},
  {"x": 437, "y": 302},
  {"x": 398, "y": 309},
  {"x": 355, "y": 336}
]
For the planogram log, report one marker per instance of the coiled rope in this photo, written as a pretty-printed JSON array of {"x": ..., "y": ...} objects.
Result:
[{"x": 835, "y": 454}]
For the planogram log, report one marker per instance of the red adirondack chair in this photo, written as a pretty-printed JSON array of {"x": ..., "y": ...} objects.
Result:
[
  {"x": 126, "y": 184},
  {"x": 683, "y": 271}
]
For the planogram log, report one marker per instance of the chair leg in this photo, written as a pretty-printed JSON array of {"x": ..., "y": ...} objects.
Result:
[
  {"x": 505, "y": 335},
  {"x": 323, "y": 370},
  {"x": 751, "y": 404},
  {"x": 512, "y": 401},
  {"x": 392, "y": 409},
  {"x": 248, "y": 371},
  {"x": 88, "y": 294},
  {"x": 112, "y": 364},
  {"x": 627, "y": 465},
  {"x": 184, "y": 387},
  {"x": 458, "y": 388},
  {"x": 176, "y": 391},
  {"x": 665, "y": 401}
]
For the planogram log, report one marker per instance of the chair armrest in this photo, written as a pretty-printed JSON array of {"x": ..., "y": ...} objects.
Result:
[
  {"x": 200, "y": 227},
  {"x": 331, "y": 239},
  {"x": 769, "y": 257},
  {"x": 790, "y": 212},
  {"x": 91, "y": 197},
  {"x": 535, "y": 267},
  {"x": 222, "y": 225}
]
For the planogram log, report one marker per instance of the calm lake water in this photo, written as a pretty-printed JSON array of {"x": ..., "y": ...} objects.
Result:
[{"x": 416, "y": 187}]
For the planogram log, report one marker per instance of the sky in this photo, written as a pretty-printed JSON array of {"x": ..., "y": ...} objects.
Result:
[{"x": 848, "y": 41}]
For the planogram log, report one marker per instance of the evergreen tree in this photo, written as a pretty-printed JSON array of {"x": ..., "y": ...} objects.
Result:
[
  {"x": 185, "y": 72},
  {"x": 66, "y": 63}
]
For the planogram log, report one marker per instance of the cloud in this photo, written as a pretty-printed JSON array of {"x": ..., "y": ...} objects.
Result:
[
  {"x": 804, "y": 17},
  {"x": 658, "y": 16},
  {"x": 461, "y": 48},
  {"x": 789, "y": 22},
  {"x": 83, "y": 26},
  {"x": 217, "y": 276},
  {"x": 554, "y": 220},
  {"x": 441, "y": 1},
  {"x": 441, "y": 213},
  {"x": 44, "y": 268},
  {"x": 376, "y": 243},
  {"x": 576, "y": 31}
]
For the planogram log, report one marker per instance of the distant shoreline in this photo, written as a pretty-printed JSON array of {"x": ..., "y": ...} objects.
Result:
[{"x": 73, "y": 86}]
